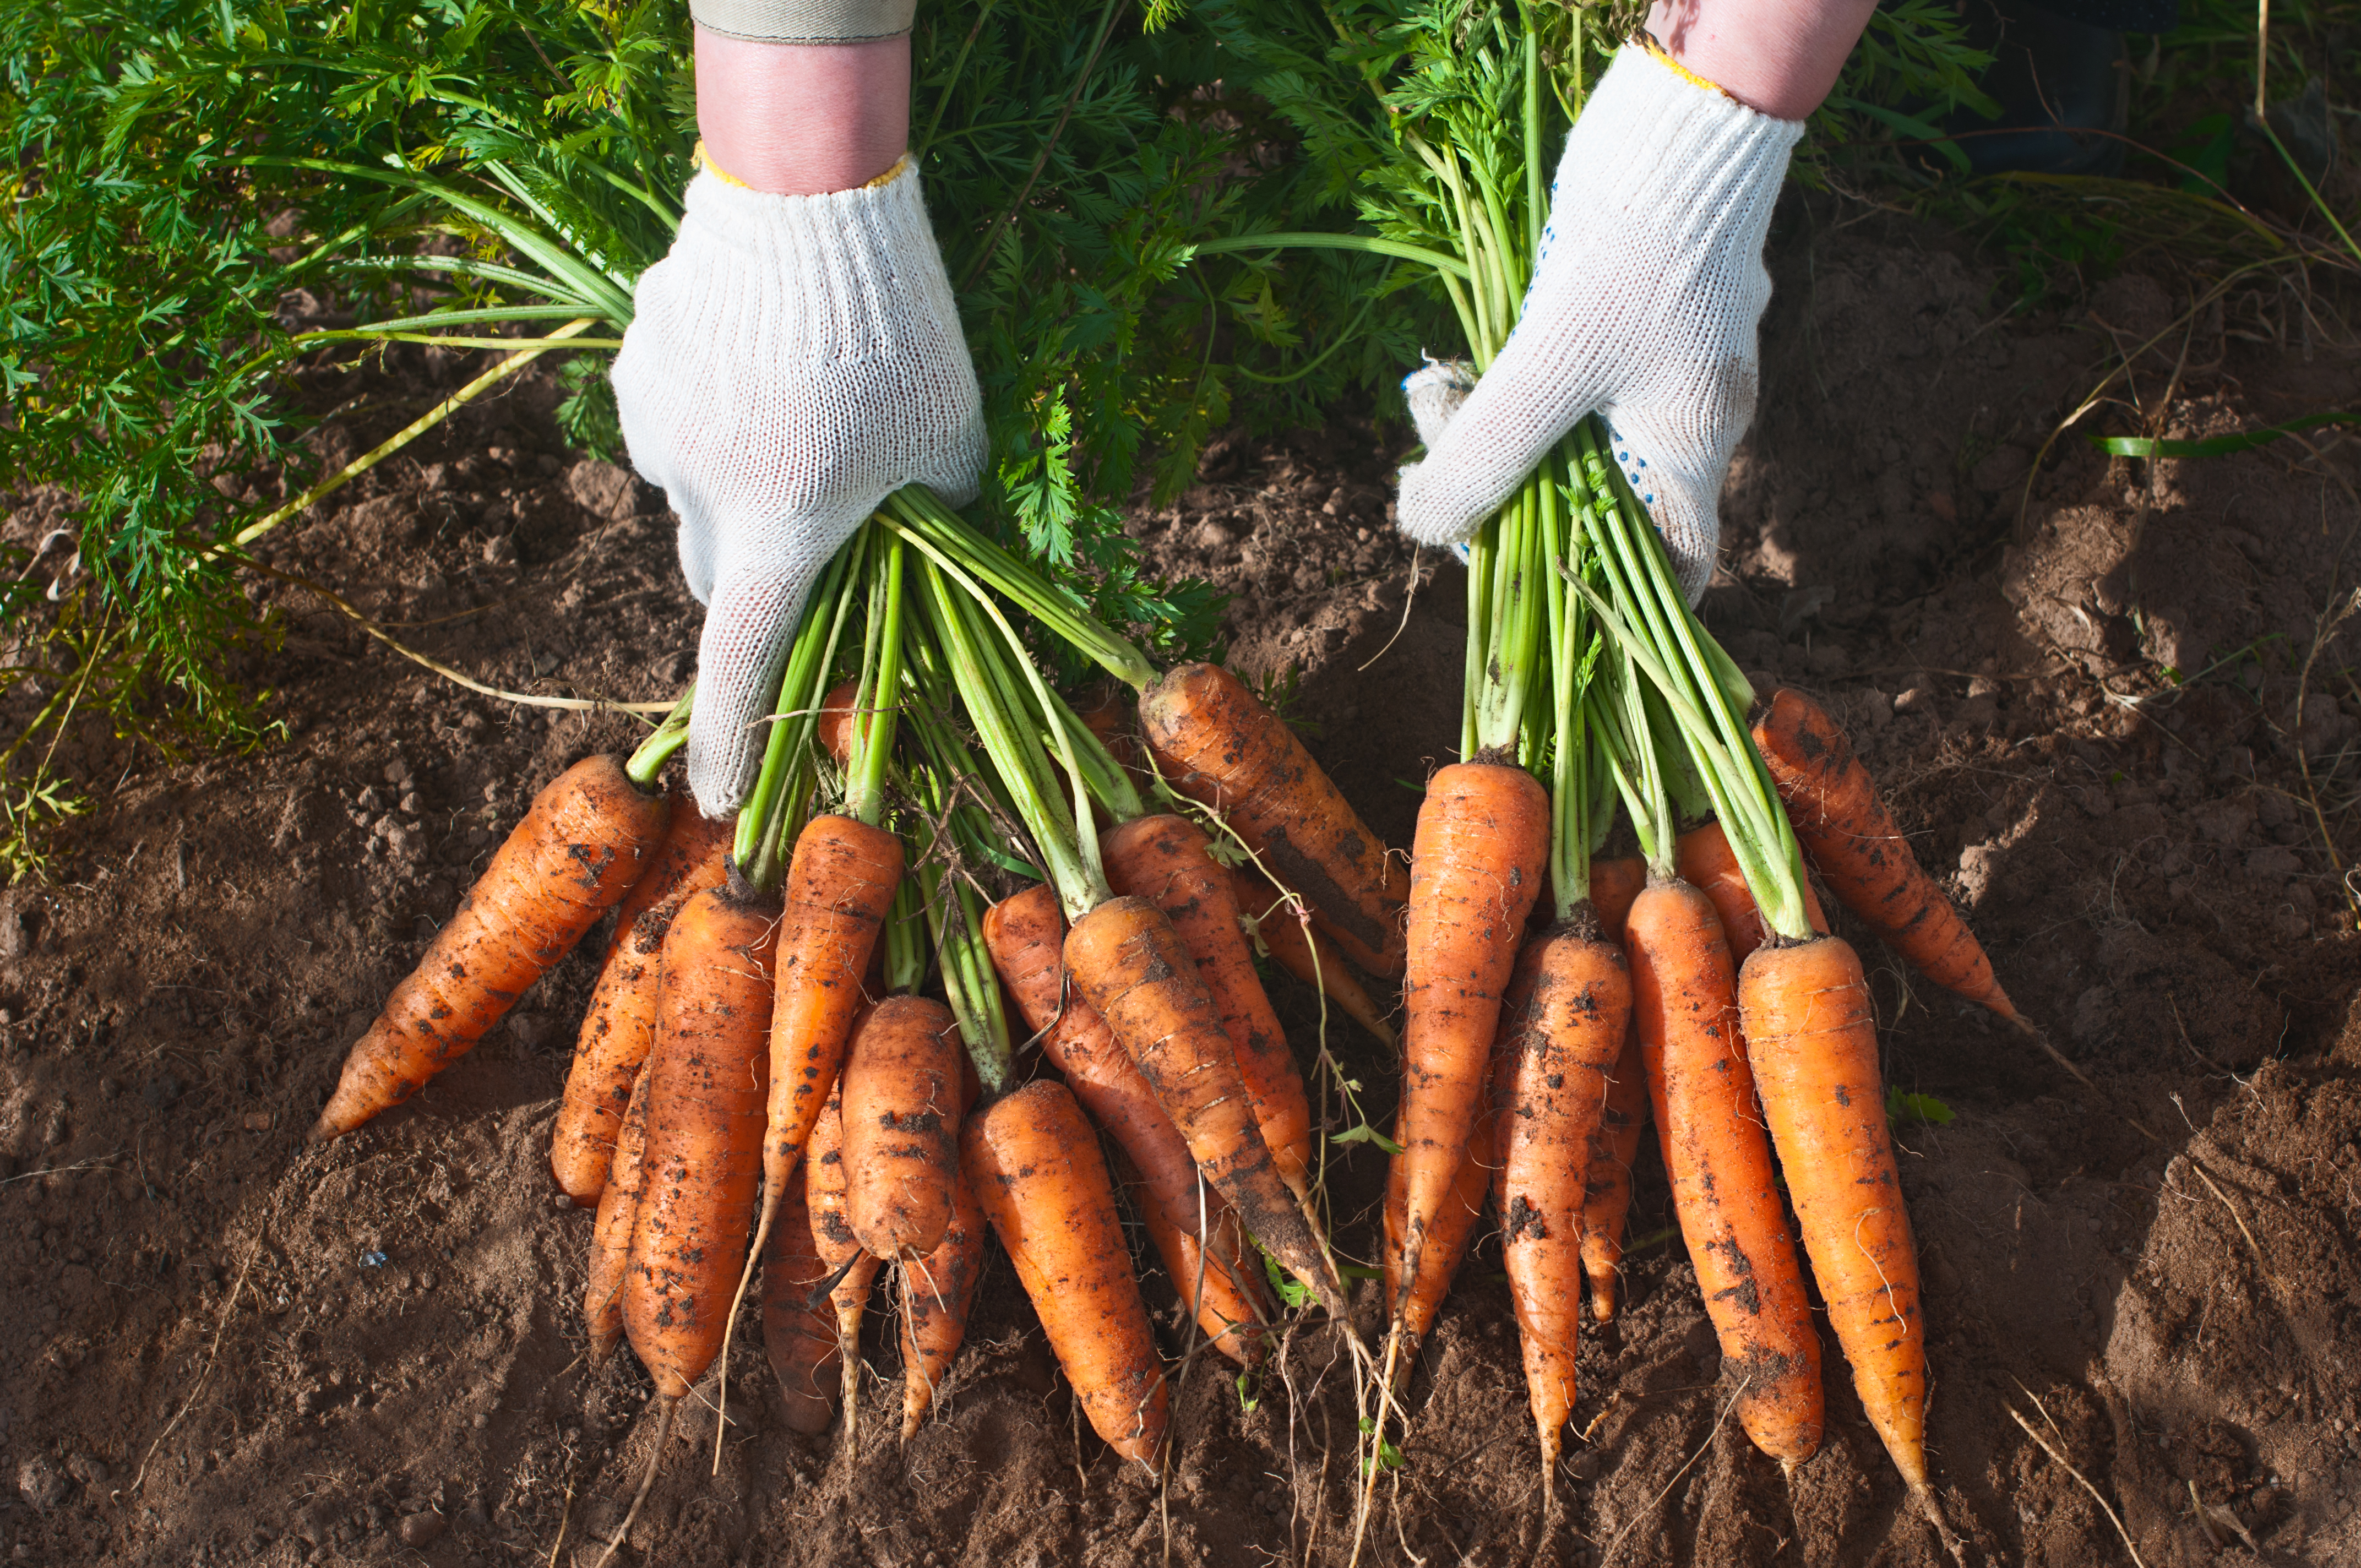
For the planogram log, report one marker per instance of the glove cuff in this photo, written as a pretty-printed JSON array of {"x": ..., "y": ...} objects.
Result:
[
  {"x": 863, "y": 261},
  {"x": 1659, "y": 144}
]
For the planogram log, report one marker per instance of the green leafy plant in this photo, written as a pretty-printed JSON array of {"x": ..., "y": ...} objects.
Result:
[
  {"x": 1904, "y": 1109},
  {"x": 473, "y": 172}
]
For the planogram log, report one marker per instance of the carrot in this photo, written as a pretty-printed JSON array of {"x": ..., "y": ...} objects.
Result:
[
  {"x": 1483, "y": 837},
  {"x": 1034, "y": 1164},
  {"x": 1724, "y": 1190},
  {"x": 1606, "y": 1186},
  {"x": 610, "y": 1233},
  {"x": 620, "y": 1024},
  {"x": 1136, "y": 973},
  {"x": 703, "y": 1155},
  {"x": 1111, "y": 713},
  {"x": 1615, "y": 882},
  {"x": 1812, "y": 1036},
  {"x": 1706, "y": 863},
  {"x": 834, "y": 730},
  {"x": 1167, "y": 861},
  {"x": 587, "y": 838},
  {"x": 939, "y": 1289},
  {"x": 1554, "y": 1076},
  {"x": 1220, "y": 1287},
  {"x": 799, "y": 1329},
  {"x": 1304, "y": 952},
  {"x": 899, "y": 1094},
  {"x": 840, "y": 885},
  {"x": 1218, "y": 745},
  {"x": 827, "y": 1186},
  {"x": 1853, "y": 842},
  {"x": 1025, "y": 935},
  {"x": 1448, "y": 1235}
]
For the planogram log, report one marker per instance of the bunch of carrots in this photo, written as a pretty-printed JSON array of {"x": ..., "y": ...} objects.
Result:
[
  {"x": 764, "y": 1085},
  {"x": 806, "y": 1055}
]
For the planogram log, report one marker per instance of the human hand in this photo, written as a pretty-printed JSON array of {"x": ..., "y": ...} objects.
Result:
[
  {"x": 1643, "y": 307},
  {"x": 792, "y": 361}
]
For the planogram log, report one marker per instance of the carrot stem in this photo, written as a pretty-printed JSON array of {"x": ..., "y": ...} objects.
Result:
[
  {"x": 657, "y": 750},
  {"x": 786, "y": 755}
]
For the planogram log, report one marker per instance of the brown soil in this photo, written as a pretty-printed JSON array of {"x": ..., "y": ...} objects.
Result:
[{"x": 225, "y": 1346}]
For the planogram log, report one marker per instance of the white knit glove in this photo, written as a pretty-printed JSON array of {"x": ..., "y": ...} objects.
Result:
[
  {"x": 1643, "y": 306},
  {"x": 792, "y": 361}
]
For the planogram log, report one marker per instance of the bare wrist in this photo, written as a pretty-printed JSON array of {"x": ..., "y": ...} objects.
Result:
[
  {"x": 803, "y": 120},
  {"x": 1780, "y": 57}
]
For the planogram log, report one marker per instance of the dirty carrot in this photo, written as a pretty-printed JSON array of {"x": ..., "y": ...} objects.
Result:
[
  {"x": 1448, "y": 1236},
  {"x": 900, "y": 1104},
  {"x": 840, "y": 885},
  {"x": 1852, "y": 839},
  {"x": 610, "y": 1233},
  {"x": 1812, "y": 1037},
  {"x": 1304, "y": 951},
  {"x": 1707, "y": 864},
  {"x": 1034, "y": 1164},
  {"x": 937, "y": 1292},
  {"x": 1606, "y": 1186},
  {"x": 798, "y": 1321},
  {"x": 1554, "y": 1077},
  {"x": 827, "y": 1186},
  {"x": 1615, "y": 882},
  {"x": 1167, "y": 861},
  {"x": 1219, "y": 1288},
  {"x": 1027, "y": 936},
  {"x": 587, "y": 838},
  {"x": 1217, "y": 744},
  {"x": 1137, "y": 974},
  {"x": 703, "y": 1153},
  {"x": 620, "y": 1025},
  {"x": 1724, "y": 1190},
  {"x": 1476, "y": 869}
]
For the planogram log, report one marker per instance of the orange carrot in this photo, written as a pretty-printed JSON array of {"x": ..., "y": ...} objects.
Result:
[
  {"x": 826, "y": 1185},
  {"x": 1303, "y": 951},
  {"x": 938, "y": 1290},
  {"x": 1025, "y": 936},
  {"x": 834, "y": 730},
  {"x": 799, "y": 1325},
  {"x": 1724, "y": 1190},
  {"x": 1219, "y": 1288},
  {"x": 1812, "y": 1036},
  {"x": 1706, "y": 863},
  {"x": 610, "y": 1233},
  {"x": 703, "y": 1155},
  {"x": 1167, "y": 861},
  {"x": 1109, "y": 712},
  {"x": 1615, "y": 882},
  {"x": 586, "y": 840},
  {"x": 900, "y": 1100},
  {"x": 1854, "y": 844},
  {"x": 1136, "y": 973},
  {"x": 620, "y": 1024},
  {"x": 1034, "y": 1164},
  {"x": 1483, "y": 835},
  {"x": 1448, "y": 1236},
  {"x": 840, "y": 885},
  {"x": 1555, "y": 1088},
  {"x": 1218, "y": 745},
  {"x": 1607, "y": 1187}
]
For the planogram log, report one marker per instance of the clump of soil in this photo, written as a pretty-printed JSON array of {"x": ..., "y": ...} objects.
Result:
[{"x": 232, "y": 1347}]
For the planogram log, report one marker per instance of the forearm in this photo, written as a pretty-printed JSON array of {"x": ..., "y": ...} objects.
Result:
[
  {"x": 798, "y": 119},
  {"x": 1780, "y": 57}
]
